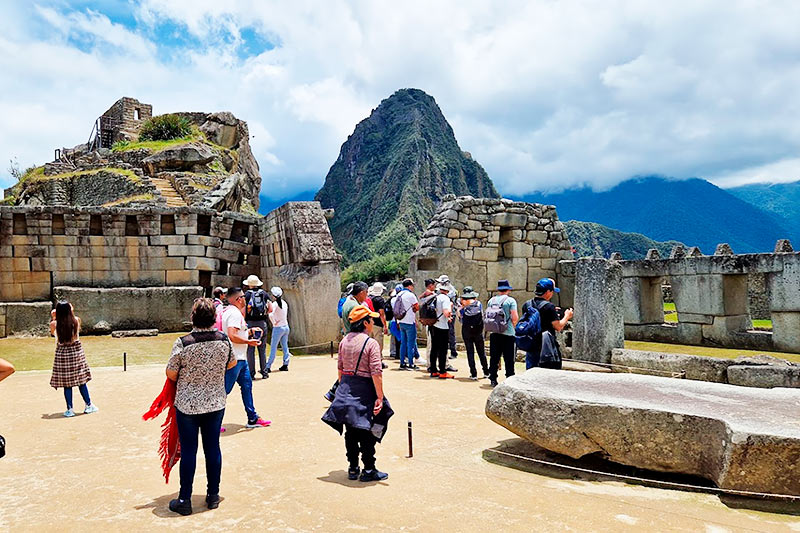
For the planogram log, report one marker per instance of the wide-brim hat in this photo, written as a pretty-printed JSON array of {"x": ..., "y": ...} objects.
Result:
[
  {"x": 469, "y": 292},
  {"x": 359, "y": 312},
  {"x": 444, "y": 287},
  {"x": 443, "y": 279},
  {"x": 253, "y": 281},
  {"x": 376, "y": 289},
  {"x": 504, "y": 285}
]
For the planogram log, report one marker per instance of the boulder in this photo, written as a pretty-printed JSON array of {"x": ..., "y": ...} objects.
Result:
[
  {"x": 181, "y": 157},
  {"x": 221, "y": 128},
  {"x": 738, "y": 437},
  {"x": 134, "y": 333}
]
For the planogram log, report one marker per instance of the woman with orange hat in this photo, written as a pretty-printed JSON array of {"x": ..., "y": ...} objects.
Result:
[{"x": 359, "y": 404}]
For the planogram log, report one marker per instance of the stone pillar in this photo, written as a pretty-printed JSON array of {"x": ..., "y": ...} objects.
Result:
[
  {"x": 598, "y": 325},
  {"x": 784, "y": 295},
  {"x": 643, "y": 301}
]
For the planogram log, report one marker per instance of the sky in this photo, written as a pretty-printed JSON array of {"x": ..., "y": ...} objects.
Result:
[{"x": 545, "y": 94}]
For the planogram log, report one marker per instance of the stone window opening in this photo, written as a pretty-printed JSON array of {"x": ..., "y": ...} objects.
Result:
[
  {"x": 204, "y": 225},
  {"x": 137, "y": 115},
  {"x": 20, "y": 224},
  {"x": 224, "y": 268},
  {"x": 256, "y": 250},
  {"x": 205, "y": 282},
  {"x": 96, "y": 225},
  {"x": 58, "y": 225},
  {"x": 131, "y": 226},
  {"x": 668, "y": 303},
  {"x": 428, "y": 263},
  {"x": 242, "y": 259},
  {"x": 167, "y": 224},
  {"x": 240, "y": 231}
]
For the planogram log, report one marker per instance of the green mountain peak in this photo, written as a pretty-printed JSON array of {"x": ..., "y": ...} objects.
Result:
[{"x": 391, "y": 173}]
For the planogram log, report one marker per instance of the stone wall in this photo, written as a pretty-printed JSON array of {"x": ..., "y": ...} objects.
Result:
[
  {"x": 45, "y": 248},
  {"x": 711, "y": 298},
  {"x": 125, "y": 117},
  {"x": 478, "y": 241}
]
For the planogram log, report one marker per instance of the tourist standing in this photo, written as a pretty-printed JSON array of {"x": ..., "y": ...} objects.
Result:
[
  {"x": 501, "y": 343},
  {"x": 219, "y": 307},
  {"x": 279, "y": 315},
  {"x": 235, "y": 327},
  {"x": 549, "y": 319},
  {"x": 394, "y": 328},
  {"x": 471, "y": 316},
  {"x": 405, "y": 307},
  {"x": 381, "y": 325},
  {"x": 70, "y": 368},
  {"x": 430, "y": 290},
  {"x": 453, "y": 295},
  {"x": 359, "y": 407},
  {"x": 256, "y": 317},
  {"x": 438, "y": 360},
  {"x": 358, "y": 295},
  {"x": 198, "y": 364}
]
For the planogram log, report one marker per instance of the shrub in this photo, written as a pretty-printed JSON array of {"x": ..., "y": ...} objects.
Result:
[
  {"x": 165, "y": 128},
  {"x": 379, "y": 268}
]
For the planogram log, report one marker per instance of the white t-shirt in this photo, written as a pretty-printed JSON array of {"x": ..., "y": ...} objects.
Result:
[
  {"x": 278, "y": 314},
  {"x": 409, "y": 299},
  {"x": 443, "y": 304},
  {"x": 233, "y": 318}
]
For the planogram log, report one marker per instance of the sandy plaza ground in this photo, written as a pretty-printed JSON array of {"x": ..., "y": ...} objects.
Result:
[{"x": 100, "y": 472}]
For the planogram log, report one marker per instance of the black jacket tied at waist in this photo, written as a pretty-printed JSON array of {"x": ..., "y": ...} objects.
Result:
[{"x": 353, "y": 406}]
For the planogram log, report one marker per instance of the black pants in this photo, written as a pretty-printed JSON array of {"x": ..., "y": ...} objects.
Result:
[
  {"x": 452, "y": 339},
  {"x": 208, "y": 424},
  {"x": 439, "y": 339},
  {"x": 505, "y": 346},
  {"x": 360, "y": 441},
  {"x": 476, "y": 343}
]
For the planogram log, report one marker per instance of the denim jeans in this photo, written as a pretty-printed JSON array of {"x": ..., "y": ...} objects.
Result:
[
  {"x": 241, "y": 374},
  {"x": 531, "y": 360},
  {"x": 280, "y": 334},
  {"x": 208, "y": 424},
  {"x": 83, "y": 389},
  {"x": 262, "y": 348},
  {"x": 408, "y": 343}
]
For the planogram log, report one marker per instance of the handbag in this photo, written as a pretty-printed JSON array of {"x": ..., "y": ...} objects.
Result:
[{"x": 331, "y": 394}]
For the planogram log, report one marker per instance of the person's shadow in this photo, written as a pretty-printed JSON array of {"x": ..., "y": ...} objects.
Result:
[
  {"x": 234, "y": 429},
  {"x": 57, "y": 416},
  {"x": 340, "y": 478},
  {"x": 160, "y": 505}
]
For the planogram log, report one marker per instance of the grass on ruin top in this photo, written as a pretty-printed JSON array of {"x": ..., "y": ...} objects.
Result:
[
  {"x": 66, "y": 175},
  {"x": 36, "y": 353},
  {"x": 724, "y": 353},
  {"x": 156, "y": 146},
  {"x": 129, "y": 199}
]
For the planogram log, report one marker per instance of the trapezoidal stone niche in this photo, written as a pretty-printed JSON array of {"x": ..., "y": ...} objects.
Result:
[{"x": 478, "y": 241}]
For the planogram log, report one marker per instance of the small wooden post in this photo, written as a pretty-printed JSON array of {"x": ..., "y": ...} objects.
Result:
[
  {"x": 124, "y": 361},
  {"x": 410, "y": 441},
  {"x": 331, "y": 349}
]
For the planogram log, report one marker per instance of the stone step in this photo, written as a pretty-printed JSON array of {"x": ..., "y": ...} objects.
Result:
[{"x": 168, "y": 192}]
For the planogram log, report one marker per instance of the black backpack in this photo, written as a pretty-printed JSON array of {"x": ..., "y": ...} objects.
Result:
[
  {"x": 257, "y": 305},
  {"x": 472, "y": 319},
  {"x": 387, "y": 309},
  {"x": 427, "y": 311}
]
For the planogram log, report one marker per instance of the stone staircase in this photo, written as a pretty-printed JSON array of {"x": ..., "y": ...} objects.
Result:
[{"x": 168, "y": 192}]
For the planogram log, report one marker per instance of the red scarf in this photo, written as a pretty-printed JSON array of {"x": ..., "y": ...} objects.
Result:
[{"x": 169, "y": 448}]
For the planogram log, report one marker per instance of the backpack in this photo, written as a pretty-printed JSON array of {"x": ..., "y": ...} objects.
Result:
[
  {"x": 257, "y": 305},
  {"x": 427, "y": 311},
  {"x": 399, "y": 307},
  {"x": 528, "y": 328},
  {"x": 341, "y": 303},
  {"x": 472, "y": 319},
  {"x": 387, "y": 309},
  {"x": 218, "y": 317},
  {"x": 496, "y": 321}
]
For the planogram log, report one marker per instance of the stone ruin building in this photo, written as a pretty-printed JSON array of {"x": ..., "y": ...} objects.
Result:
[
  {"x": 477, "y": 241},
  {"x": 125, "y": 268},
  {"x": 121, "y": 122}
]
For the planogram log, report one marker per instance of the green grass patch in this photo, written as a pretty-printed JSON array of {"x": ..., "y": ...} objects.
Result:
[
  {"x": 129, "y": 199},
  {"x": 725, "y": 353},
  {"x": 157, "y": 146},
  {"x": 67, "y": 175},
  {"x": 669, "y": 306},
  {"x": 671, "y": 317},
  {"x": 763, "y": 324},
  {"x": 36, "y": 353}
]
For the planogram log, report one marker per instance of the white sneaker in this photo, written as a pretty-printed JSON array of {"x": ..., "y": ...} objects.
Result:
[
  {"x": 421, "y": 361},
  {"x": 69, "y": 413},
  {"x": 91, "y": 408}
]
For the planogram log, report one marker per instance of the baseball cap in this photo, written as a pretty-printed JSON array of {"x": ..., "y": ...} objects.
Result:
[{"x": 546, "y": 284}]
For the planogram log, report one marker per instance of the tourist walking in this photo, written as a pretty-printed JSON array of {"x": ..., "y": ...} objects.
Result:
[
  {"x": 279, "y": 316},
  {"x": 471, "y": 316},
  {"x": 235, "y": 327},
  {"x": 359, "y": 408},
  {"x": 501, "y": 317},
  {"x": 551, "y": 323},
  {"x": 405, "y": 307},
  {"x": 256, "y": 317},
  {"x": 70, "y": 368},
  {"x": 439, "y": 333},
  {"x": 198, "y": 365},
  {"x": 357, "y": 296}
]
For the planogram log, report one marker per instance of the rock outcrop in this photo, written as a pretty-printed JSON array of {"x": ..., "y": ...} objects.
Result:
[{"x": 740, "y": 438}]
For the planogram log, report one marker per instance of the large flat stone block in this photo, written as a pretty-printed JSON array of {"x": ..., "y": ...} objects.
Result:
[
  {"x": 33, "y": 317},
  {"x": 786, "y": 331},
  {"x": 738, "y": 437}
]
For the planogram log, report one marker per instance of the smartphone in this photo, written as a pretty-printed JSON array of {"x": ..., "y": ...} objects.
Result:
[{"x": 257, "y": 334}]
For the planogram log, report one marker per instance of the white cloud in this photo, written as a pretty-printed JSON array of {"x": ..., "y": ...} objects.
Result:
[{"x": 544, "y": 94}]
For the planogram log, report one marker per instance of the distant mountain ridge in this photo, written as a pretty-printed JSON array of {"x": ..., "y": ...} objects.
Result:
[
  {"x": 781, "y": 200},
  {"x": 390, "y": 174},
  {"x": 692, "y": 211},
  {"x": 589, "y": 237}
]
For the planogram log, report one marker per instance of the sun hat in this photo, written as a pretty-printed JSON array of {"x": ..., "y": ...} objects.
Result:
[
  {"x": 277, "y": 292},
  {"x": 546, "y": 284},
  {"x": 469, "y": 293},
  {"x": 444, "y": 286},
  {"x": 503, "y": 285},
  {"x": 359, "y": 312},
  {"x": 253, "y": 281},
  {"x": 377, "y": 289},
  {"x": 443, "y": 279}
]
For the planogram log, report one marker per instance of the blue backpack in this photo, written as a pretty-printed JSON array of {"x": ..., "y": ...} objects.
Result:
[{"x": 528, "y": 328}]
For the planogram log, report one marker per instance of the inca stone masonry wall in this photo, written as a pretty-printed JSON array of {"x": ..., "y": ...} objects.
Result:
[
  {"x": 45, "y": 248},
  {"x": 478, "y": 241}
]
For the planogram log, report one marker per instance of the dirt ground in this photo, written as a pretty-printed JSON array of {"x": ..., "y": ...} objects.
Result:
[{"x": 100, "y": 472}]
